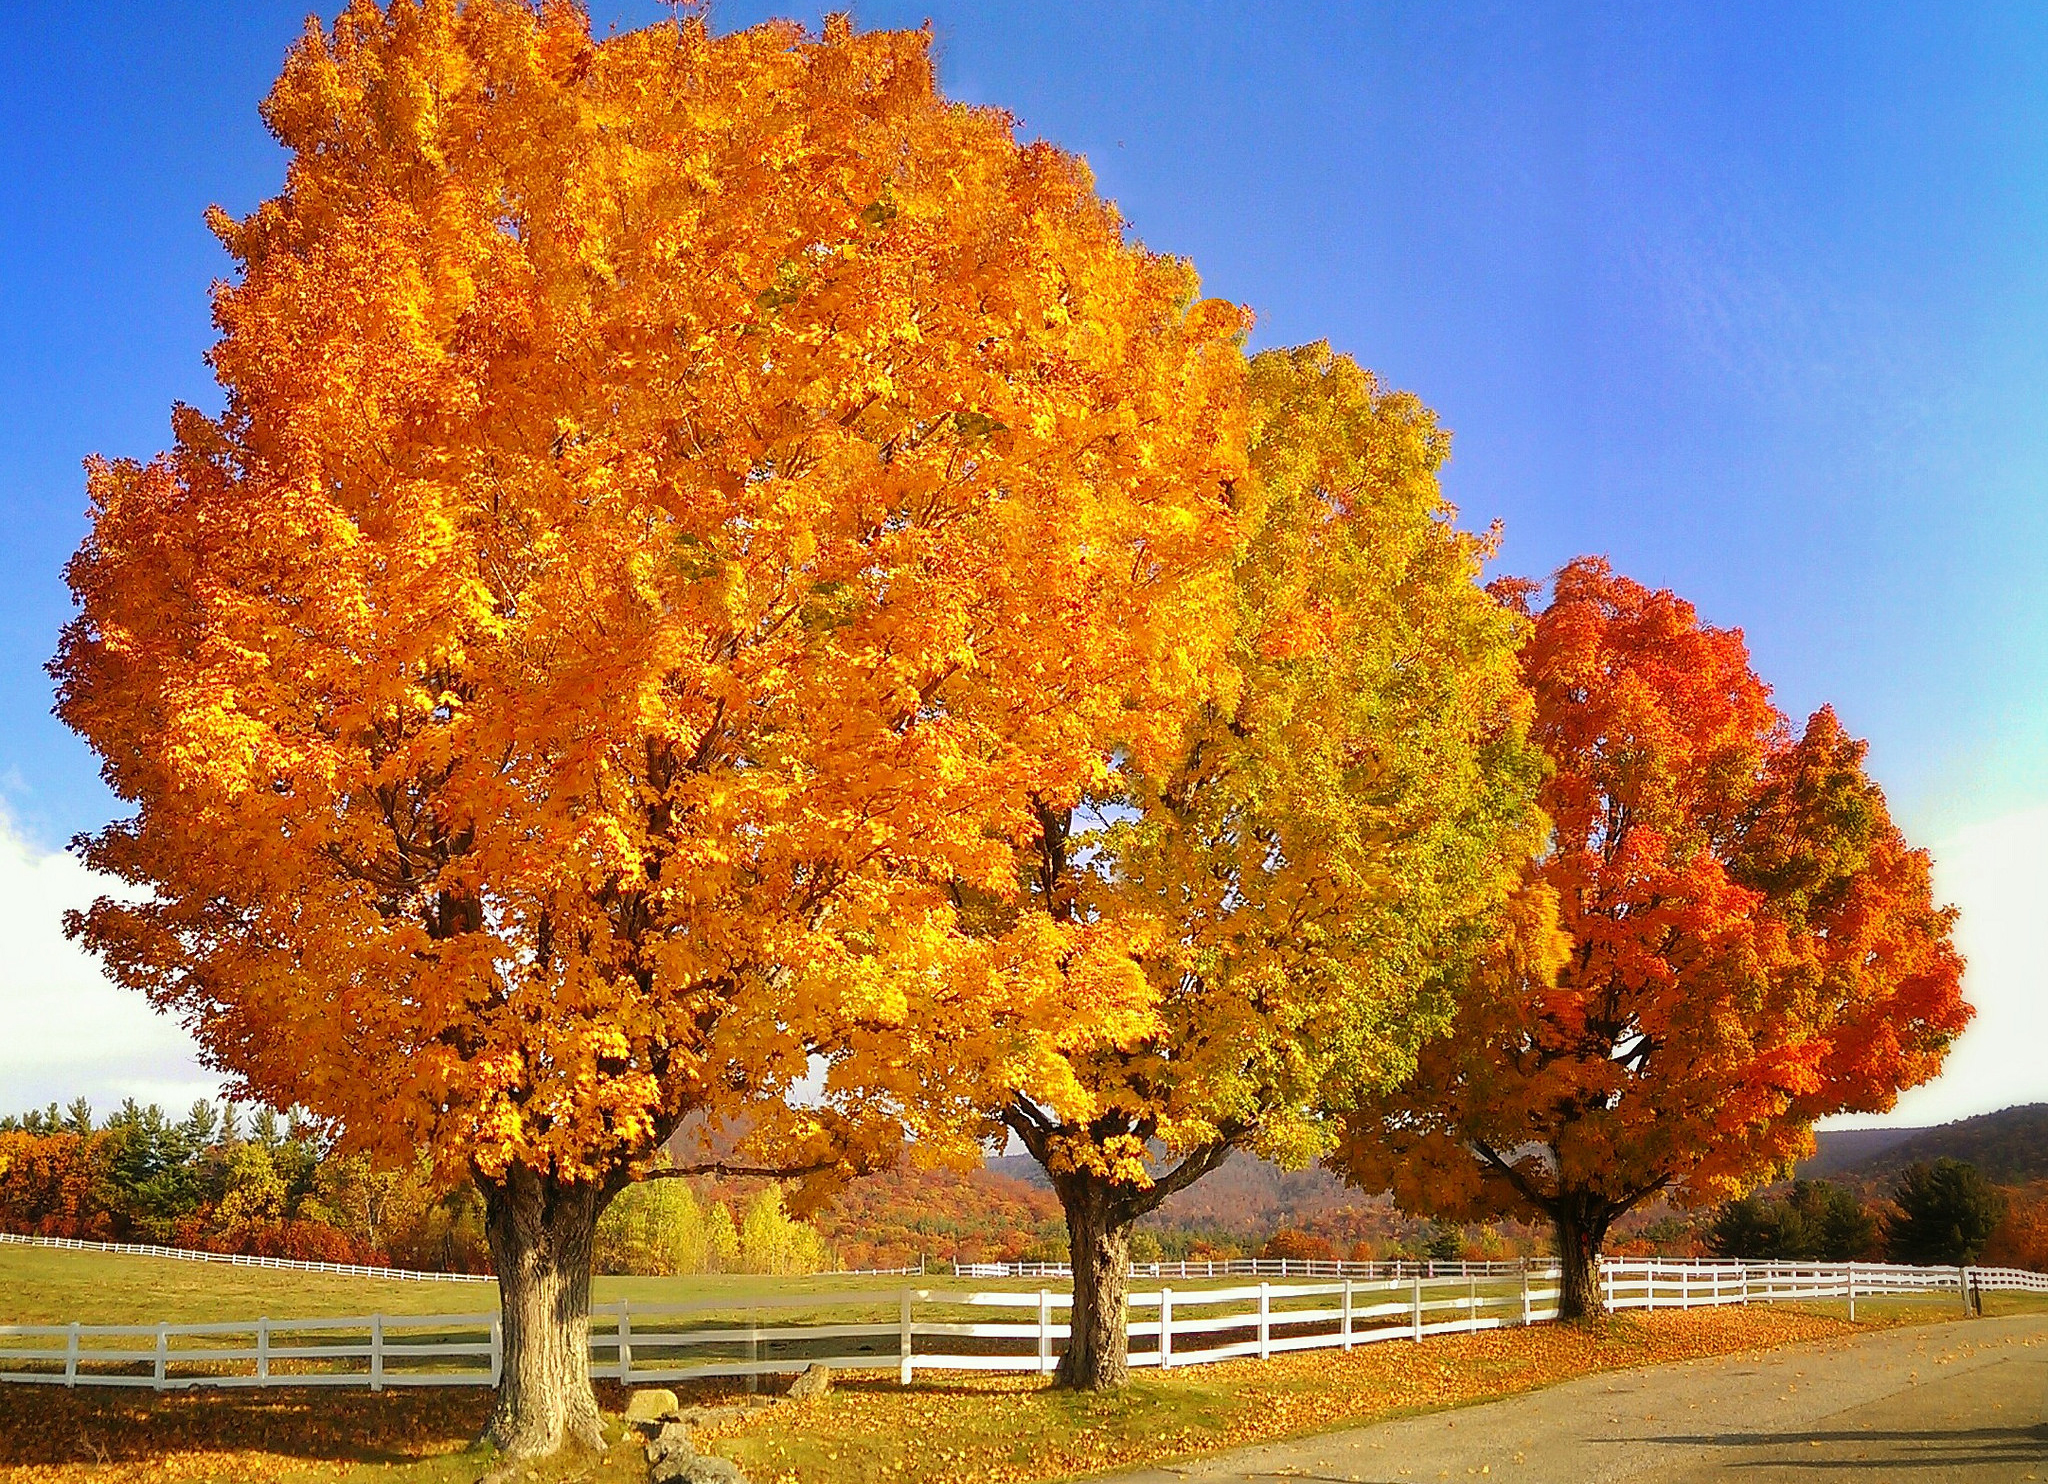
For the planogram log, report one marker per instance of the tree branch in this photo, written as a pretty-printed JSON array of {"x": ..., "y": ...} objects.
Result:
[
  {"x": 1488, "y": 1155},
  {"x": 720, "y": 1167}
]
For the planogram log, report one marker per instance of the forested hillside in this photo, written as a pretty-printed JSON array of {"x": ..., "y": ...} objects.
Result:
[{"x": 2009, "y": 1146}]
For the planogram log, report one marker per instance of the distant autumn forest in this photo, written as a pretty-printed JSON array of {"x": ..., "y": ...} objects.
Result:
[{"x": 227, "y": 1179}]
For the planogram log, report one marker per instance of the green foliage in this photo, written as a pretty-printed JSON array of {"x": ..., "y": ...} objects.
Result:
[
  {"x": 1446, "y": 1244},
  {"x": 724, "y": 1241},
  {"x": 657, "y": 1229},
  {"x": 1946, "y": 1212},
  {"x": 1814, "y": 1221},
  {"x": 771, "y": 1241}
]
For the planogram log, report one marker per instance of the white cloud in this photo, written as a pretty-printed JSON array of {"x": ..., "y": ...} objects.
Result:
[
  {"x": 66, "y": 1030},
  {"x": 1997, "y": 874}
]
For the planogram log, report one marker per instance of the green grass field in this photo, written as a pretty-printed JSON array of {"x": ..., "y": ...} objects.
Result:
[{"x": 42, "y": 1285}]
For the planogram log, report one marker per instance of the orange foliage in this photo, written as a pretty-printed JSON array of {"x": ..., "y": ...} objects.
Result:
[
  {"x": 894, "y": 1218},
  {"x": 677, "y": 497},
  {"x": 2021, "y": 1240},
  {"x": 1727, "y": 939},
  {"x": 52, "y": 1185},
  {"x": 1289, "y": 1243},
  {"x": 678, "y": 500}
]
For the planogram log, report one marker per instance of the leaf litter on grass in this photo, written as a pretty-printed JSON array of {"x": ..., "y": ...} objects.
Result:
[{"x": 968, "y": 1429}]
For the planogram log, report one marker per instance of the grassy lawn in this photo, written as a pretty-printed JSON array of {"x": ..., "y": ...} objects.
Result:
[
  {"x": 43, "y": 1285},
  {"x": 950, "y": 1427},
  {"x": 950, "y": 1430}
]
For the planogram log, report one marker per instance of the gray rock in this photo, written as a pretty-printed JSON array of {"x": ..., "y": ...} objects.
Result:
[
  {"x": 812, "y": 1384},
  {"x": 651, "y": 1406},
  {"x": 699, "y": 1469},
  {"x": 673, "y": 1441}
]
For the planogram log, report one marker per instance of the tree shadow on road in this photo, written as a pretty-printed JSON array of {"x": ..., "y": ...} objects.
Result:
[{"x": 1913, "y": 1448}]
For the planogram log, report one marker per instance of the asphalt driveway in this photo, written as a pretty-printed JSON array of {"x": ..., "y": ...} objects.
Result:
[{"x": 1958, "y": 1403}]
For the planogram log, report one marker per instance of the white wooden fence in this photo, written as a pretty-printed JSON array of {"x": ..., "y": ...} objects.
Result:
[
  {"x": 243, "y": 1259},
  {"x": 912, "y": 1330},
  {"x": 1255, "y": 1267}
]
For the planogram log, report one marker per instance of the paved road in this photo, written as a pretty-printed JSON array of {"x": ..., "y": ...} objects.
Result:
[{"x": 1959, "y": 1403}]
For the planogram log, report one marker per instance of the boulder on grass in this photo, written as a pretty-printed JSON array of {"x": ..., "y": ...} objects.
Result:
[
  {"x": 702, "y": 1468},
  {"x": 812, "y": 1384},
  {"x": 651, "y": 1406},
  {"x": 673, "y": 1441}
]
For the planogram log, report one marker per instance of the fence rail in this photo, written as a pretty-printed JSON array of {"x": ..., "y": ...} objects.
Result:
[
  {"x": 244, "y": 1259},
  {"x": 910, "y": 1330},
  {"x": 1254, "y": 1267},
  {"x": 346, "y": 1269}
]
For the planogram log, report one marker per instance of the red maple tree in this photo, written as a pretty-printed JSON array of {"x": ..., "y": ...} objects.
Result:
[{"x": 1726, "y": 939}]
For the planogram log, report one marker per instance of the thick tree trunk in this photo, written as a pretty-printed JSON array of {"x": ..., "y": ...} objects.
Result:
[
  {"x": 1099, "y": 1238},
  {"x": 540, "y": 1233},
  {"x": 1578, "y": 1253}
]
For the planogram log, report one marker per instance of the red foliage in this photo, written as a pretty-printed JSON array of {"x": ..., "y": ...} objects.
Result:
[
  {"x": 1727, "y": 939},
  {"x": 1292, "y": 1244},
  {"x": 51, "y": 1184},
  {"x": 894, "y": 1218},
  {"x": 2021, "y": 1240}
]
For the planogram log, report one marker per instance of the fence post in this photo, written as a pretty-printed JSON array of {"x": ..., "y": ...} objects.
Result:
[
  {"x": 163, "y": 1354},
  {"x": 1471, "y": 1301},
  {"x": 71, "y": 1356},
  {"x": 754, "y": 1349},
  {"x": 1745, "y": 1283},
  {"x": 1045, "y": 1331},
  {"x": 263, "y": 1350},
  {"x": 903, "y": 1342},
  {"x": 497, "y": 1349},
  {"x": 376, "y": 1352},
  {"x": 1165, "y": 1328},
  {"x": 1265, "y": 1320},
  {"x": 1418, "y": 1305},
  {"x": 625, "y": 1342},
  {"x": 1685, "y": 1288},
  {"x": 1852, "y": 1293},
  {"x": 1347, "y": 1313},
  {"x": 1525, "y": 1290}
]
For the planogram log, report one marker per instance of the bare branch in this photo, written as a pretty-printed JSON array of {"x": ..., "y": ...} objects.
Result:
[{"x": 720, "y": 1167}]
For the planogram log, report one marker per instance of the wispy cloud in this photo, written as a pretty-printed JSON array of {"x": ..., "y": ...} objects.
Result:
[{"x": 65, "y": 1029}]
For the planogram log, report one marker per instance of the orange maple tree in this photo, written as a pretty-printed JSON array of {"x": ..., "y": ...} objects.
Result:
[
  {"x": 1726, "y": 939},
  {"x": 677, "y": 500}
]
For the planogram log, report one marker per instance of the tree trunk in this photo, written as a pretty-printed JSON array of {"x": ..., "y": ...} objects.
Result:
[
  {"x": 1578, "y": 1255},
  {"x": 1099, "y": 1238},
  {"x": 540, "y": 1232}
]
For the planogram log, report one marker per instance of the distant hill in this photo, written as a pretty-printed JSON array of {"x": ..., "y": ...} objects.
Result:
[
  {"x": 1249, "y": 1198},
  {"x": 1837, "y": 1151},
  {"x": 2010, "y": 1146}
]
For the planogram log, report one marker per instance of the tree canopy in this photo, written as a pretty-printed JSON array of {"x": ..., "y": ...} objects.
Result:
[
  {"x": 678, "y": 499},
  {"x": 1271, "y": 897},
  {"x": 1726, "y": 939}
]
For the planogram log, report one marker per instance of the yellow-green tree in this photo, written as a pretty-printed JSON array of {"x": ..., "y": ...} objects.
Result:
[
  {"x": 676, "y": 501},
  {"x": 657, "y": 1228},
  {"x": 772, "y": 1241},
  {"x": 1254, "y": 916}
]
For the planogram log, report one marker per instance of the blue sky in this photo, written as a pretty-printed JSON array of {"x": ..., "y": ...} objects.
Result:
[{"x": 1754, "y": 299}]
